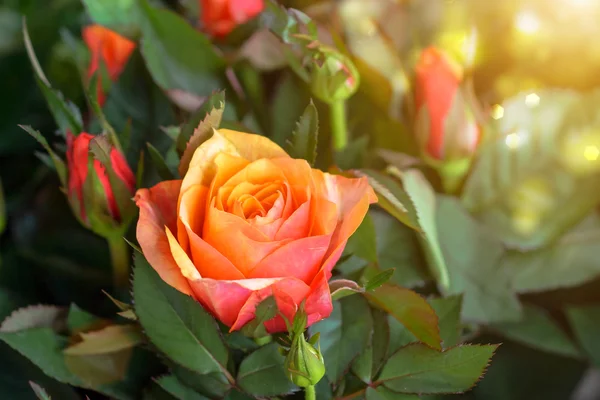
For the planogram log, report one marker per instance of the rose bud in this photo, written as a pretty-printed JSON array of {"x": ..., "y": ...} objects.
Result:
[
  {"x": 96, "y": 203},
  {"x": 220, "y": 17},
  {"x": 304, "y": 363},
  {"x": 109, "y": 48},
  {"x": 247, "y": 222},
  {"x": 333, "y": 77},
  {"x": 445, "y": 125}
]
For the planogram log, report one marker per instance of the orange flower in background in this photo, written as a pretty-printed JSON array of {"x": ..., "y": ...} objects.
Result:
[
  {"x": 220, "y": 17},
  {"x": 246, "y": 222},
  {"x": 109, "y": 48},
  {"x": 445, "y": 126},
  {"x": 78, "y": 148}
]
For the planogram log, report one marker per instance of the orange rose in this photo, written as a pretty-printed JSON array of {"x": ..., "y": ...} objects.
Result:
[{"x": 246, "y": 222}]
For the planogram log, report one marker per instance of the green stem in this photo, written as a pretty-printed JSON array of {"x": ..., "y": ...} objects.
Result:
[
  {"x": 309, "y": 393},
  {"x": 339, "y": 128},
  {"x": 453, "y": 174},
  {"x": 119, "y": 256}
]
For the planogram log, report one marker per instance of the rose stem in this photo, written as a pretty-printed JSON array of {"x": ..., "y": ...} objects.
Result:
[
  {"x": 339, "y": 129},
  {"x": 119, "y": 255},
  {"x": 309, "y": 393}
]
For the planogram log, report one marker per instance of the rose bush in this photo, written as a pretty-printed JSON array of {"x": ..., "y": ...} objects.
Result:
[{"x": 246, "y": 222}]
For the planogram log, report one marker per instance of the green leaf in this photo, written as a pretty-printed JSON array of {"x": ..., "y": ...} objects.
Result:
[
  {"x": 363, "y": 242},
  {"x": 39, "y": 316},
  {"x": 411, "y": 310},
  {"x": 382, "y": 393},
  {"x": 262, "y": 373},
  {"x": 65, "y": 113},
  {"x": 538, "y": 330},
  {"x": 473, "y": 257},
  {"x": 448, "y": 311},
  {"x": 159, "y": 163},
  {"x": 173, "y": 386},
  {"x": 107, "y": 340},
  {"x": 39, "y": 391},
  {"x": 380, "y": 340},
  {"x": 214, "y": 101},
  {"x": 303, "y": 143},
  {"x": 398, "y": 247},
  {"x": 584, "y": 321},
  {"x": 341, "y": 288},
  {"x": 545, "y": 268},
  {"x": 79, "y": 319},
  {"x": 59, "y": 164},
  {"x": 344, "y": 335},
  {"x": 214, "y": 385},
  {"x": 394, "y": 199},
  {"x": 177, "y": 324},
  {"x": 211, "y": 121},
  {"x": 118, "y": 15},
  {"x": 417, "y": 368},
  {"x": 177, "y": 55},
  {"x": 266, "y": 310},
  {"x": 379, "y": 279}
]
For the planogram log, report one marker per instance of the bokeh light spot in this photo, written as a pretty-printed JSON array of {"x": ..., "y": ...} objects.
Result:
[{"x": 497, "y": 112}]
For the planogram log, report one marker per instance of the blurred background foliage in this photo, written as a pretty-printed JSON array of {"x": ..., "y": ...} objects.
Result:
[{"x": 47, "y": 257}]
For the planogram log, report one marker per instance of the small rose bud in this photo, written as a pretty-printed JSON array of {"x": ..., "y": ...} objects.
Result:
[
  {"x": 109, "y": 48},
  {"x": 93, "y": 197},
  {"x": 333, "y": 76},
  {"x": 445, "y": 125},
  {"x": 304, "y": 363},
  {"x": 220, "y": 17}
]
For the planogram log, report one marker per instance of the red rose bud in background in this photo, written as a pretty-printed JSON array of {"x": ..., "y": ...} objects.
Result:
[
  {"x": 220, "y": 17},
  {"x": 92, "y": 192},
  {"x": 108, "y": 48},
  {"x": 445, "y": 125}
]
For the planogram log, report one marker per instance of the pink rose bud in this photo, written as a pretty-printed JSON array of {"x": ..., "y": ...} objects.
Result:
[
  {"x": 85, "y": 196},
  {"x": 445, "y": 125}
]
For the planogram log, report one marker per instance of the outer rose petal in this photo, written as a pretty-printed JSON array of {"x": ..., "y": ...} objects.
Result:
[
  {"x": 352, "y": 197},
  {"x": 251, "y": 147},
  {"x": 157, "y": 211}
]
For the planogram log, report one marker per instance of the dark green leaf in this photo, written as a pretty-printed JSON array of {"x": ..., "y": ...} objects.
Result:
[
  {"x": 79, "y": 319},
  {"x": 379, "y": 279},
  {"x": 363, "y": 243},
  {"x": 203, "y": 131},
  {"x": 411, "y": 310},
  {"x": 59, "y": 164},
  {"x": 448, "y": 311},
  {"x": 177, "y": 55},
  {"x": 159, "y": 163},
  {"x": 472, "y": 256},
  {"x": 262, "y": 373},
  {"x": 303, "y": 143},
  {"x": 344, "y": 335},
  {"x": 417, "y": 368},
  {"x": 173, "y": 386},
  {"x": 118, "y": 15},
  {"x": 538, "y": 330},
  {"x": 584, "y": 321},
  {"x": 382, "y": 393},
  {"x": 177, "y": 324},
  {"x": 398, "y": 247},
  {"x": 215, "y": 101}
]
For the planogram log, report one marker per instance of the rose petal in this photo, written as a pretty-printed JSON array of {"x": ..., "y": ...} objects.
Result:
[
  {"x": 187, "y": 267},
  {"x": 208, "y": 261},
  {"x": 318, "y": 304},
  {"x": 300, "y": 259},
  {"x": 157, "y": 211},
  {"x": 192, "y": 204},
  {"x": 297, "y": 225},
  {"x": 241, "y": 243},
  {"x": 352, "y": 197}
]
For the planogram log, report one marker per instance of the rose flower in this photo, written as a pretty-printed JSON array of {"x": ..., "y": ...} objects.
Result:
[
  {"x": 220, "y": 17},
  {"x": 247, "y": 222}
]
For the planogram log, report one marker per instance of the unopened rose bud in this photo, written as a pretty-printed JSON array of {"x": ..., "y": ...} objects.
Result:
[
  {"x": 333, "y": 76},
  {"x": 92, "y": 197},
  {"x": 304, "y": 363},
  {"x": 445, "y": 125}
]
